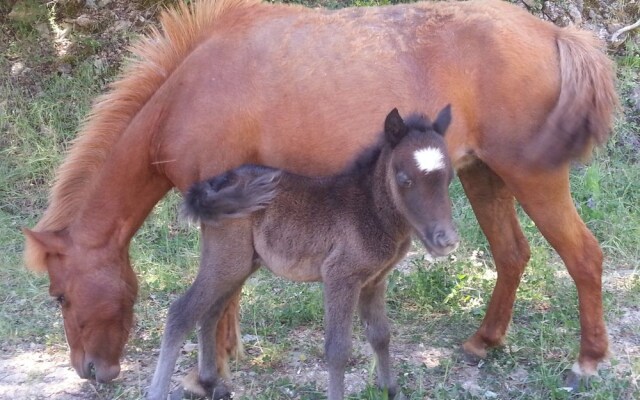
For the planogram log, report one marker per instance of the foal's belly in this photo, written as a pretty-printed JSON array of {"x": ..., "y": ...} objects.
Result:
[
  {"x": 289, "y": 264},
  {"x": 300, "y": 270}
]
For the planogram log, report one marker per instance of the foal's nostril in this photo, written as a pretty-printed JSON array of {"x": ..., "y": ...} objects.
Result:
[{"x": 444, "y": 238}]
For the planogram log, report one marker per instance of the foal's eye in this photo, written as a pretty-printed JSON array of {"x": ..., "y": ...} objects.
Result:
[
  {"x": 60, "y": 299},
  {"x": 403, "y": 180}
]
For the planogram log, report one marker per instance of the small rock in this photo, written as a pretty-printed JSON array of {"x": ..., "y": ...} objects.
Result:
[
  {"x": 84, "y": 21},
  {"x": 90, "y": 4},
  {"x": 613, "y": 28},
  {"x": 635, "y": 98},
  {"x": 575, "y": 14},
  {"x": 99, "y": 64},
  {"x": 17, "y": 68},
  {"x": 42, "y": 28},
  {"x": 552, "y": 11},
  {"x": 592, "y": 15},
  {"x": 530, "y": 3},
  {"x": 64, "y": 69},
  {"x": 121, "y": 25}
]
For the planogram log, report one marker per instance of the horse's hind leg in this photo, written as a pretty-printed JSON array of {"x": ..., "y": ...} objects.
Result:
[
  {"x": 493, "y": 205},
  {"x": 372, "y": 310},
  {"x": 546, "y": 198}
]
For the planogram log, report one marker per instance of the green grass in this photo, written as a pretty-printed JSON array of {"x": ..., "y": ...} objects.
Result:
[{"x": 434, "y": 306}]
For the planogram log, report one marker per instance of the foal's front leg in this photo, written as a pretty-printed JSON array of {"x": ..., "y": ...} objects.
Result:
[
  {"x": 340, "y": 299},
  {"x": 182, "y": 317},
  {"x": 372, "y": 309}
]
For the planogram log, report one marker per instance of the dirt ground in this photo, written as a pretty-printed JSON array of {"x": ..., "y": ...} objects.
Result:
[{"x": 37, "y": 371}]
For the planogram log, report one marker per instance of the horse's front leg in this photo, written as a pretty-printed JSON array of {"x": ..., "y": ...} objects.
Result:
[
  {"x": 493, "y": 205},
  {"x": 372, "y": 309},
  {"x": 340, "y": 297}
]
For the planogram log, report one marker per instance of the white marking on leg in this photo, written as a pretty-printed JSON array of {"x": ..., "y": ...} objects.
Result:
[
  {"x": 580, "y": 371},
  {"x": 429, "y": 159}
]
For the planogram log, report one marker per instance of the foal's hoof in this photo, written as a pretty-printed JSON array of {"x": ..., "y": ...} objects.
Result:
[
  {"x": 398, "y": 396},
  {"x": 221, "y": 392}
]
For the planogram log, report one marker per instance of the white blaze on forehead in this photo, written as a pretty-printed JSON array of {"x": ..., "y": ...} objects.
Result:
[{"x": 429, "y": 159}]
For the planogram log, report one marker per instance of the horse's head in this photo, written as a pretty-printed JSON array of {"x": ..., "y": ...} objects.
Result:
[
  {"x": 419, "y": 175},
  {"x": 96, "y": 289}
]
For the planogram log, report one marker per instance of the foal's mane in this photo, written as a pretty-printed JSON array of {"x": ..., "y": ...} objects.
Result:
[
  {"x": 155, "y": 57},
  {"x": 367, "y": 157}
]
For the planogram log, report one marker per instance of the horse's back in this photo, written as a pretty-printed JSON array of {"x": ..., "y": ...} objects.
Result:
[{"x": 305, "y": 89}]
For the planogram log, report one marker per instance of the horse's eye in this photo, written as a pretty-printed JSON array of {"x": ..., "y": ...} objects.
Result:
[
  {"x": 60, "y": 299},
  {"x": 403, "y": 180}
]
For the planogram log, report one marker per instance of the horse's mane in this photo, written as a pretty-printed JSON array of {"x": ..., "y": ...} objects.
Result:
[{"x": 155, "y": 57}]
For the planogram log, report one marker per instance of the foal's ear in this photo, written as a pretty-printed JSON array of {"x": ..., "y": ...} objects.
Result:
[
  {"x": 394, "y": 127},
  {"x": 443, "y": 120}
]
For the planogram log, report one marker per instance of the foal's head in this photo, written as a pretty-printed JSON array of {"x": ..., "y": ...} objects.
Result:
[{"x": 419, "y": 174}]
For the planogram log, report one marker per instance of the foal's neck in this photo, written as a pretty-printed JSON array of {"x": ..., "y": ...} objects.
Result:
[{"x": 389, "y": 217}]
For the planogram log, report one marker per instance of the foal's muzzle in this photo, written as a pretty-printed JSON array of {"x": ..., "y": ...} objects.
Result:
[{"x": 441, "y": 242}]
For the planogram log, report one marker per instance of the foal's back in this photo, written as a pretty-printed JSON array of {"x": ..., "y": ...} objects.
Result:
[{"x": 309, "y": 222}]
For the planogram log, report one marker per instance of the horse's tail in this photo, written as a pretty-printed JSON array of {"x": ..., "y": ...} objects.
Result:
[
  {"x": 583, "y": 114},
  {"x": 234, "y": 194}
]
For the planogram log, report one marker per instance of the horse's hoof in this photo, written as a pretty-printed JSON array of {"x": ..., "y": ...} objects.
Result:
[
  {"x": 575, "y": 383},
  {"x": 572, "y": 381},
  {"x": 470, "y": 358}
]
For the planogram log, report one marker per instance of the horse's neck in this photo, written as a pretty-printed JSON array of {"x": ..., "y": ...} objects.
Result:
[{"x": 120, "y": 198}]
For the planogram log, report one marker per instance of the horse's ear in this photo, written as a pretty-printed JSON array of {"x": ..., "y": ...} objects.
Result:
[
  {"x": 443, "y": 120},
  {"x": 39, "y": 244},
  {"x": 394, "y": 127}
]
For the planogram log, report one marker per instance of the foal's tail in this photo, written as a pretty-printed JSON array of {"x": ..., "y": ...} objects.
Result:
[
  {"x": 234, "y": 194},
  {"x": 583, "y": 114}
]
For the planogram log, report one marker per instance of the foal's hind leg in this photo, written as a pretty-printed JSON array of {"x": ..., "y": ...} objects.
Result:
[
  {"x": 340, "y": 297},
  {"x": 493, "y": 205},
  {"x": 547, "y": 200},
  {"x": 372, "y": 309}
]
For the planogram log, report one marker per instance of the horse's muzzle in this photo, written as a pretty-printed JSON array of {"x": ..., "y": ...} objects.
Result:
[{"x": 100, "y": 371}]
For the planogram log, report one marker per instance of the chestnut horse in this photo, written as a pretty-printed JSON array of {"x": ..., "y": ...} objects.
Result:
[{"x": 206, "y": 93}]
